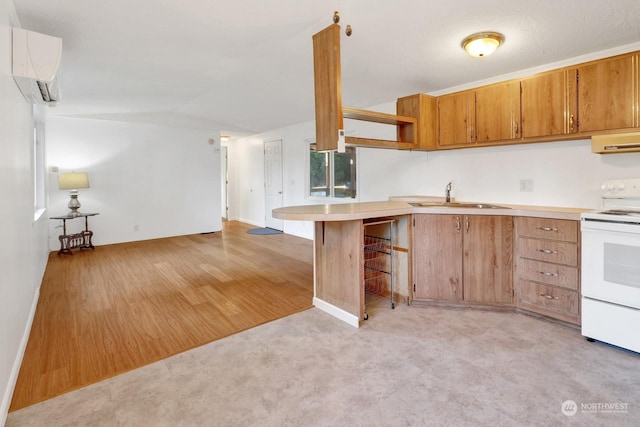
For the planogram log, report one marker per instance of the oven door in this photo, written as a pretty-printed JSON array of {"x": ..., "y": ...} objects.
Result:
[{"x": 611, "y": 262}]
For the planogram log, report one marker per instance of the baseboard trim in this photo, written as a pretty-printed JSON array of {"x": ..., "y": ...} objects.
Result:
[
  {"x": 251, "y": 222},
  {"x": 298, "y": 235},
  {"x": 11, "y": 385},
  {"x": 337, "y": 312}
]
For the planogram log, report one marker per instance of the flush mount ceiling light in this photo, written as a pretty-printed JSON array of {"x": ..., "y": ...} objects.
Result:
[{"x": 482, "y": 44}]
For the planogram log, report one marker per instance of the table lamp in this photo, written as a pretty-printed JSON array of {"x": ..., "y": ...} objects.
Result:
[{"x": 73, "y": 181}]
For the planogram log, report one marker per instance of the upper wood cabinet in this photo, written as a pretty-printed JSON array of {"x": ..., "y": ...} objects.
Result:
[
  {"x": 498, "y": 112},
  {"x": 550, "y": 104},
  {"x": 457, "y": 119},
  {"x": 486, "y": 114},
  {"x": 593, "y": 97},
  {"x": 569, "y": 103},
  {"x": 424, "y": 109},
  {"x": 608, "y": 94}
]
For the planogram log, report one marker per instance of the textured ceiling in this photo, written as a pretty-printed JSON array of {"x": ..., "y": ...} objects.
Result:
[{"x": 246, "y": 66}]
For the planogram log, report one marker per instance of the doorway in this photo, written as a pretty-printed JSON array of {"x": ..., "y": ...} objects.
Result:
[
  {"x": 224, "y": 170},
  {"x": 273, "y": 182}
]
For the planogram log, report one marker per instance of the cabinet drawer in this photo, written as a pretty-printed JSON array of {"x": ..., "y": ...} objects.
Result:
[
  {"x": 559, "y": 303},
  {"x": 552, "y": 274},
  {"x": 549, "y": 251},
  {"x": 547, "y": 228}
]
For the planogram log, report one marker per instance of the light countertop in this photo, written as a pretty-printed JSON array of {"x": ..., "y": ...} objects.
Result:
[
  {"x": 343, "y": 211},
  {"x": 400, "y": 205}
]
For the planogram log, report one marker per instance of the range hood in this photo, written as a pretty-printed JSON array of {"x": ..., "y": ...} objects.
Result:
[
  {"x": 36, "y": 58},
  {"x": 616, "y": 143}
]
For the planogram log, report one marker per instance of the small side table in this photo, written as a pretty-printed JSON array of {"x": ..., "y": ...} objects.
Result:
[{"x": 80, "y": 240}]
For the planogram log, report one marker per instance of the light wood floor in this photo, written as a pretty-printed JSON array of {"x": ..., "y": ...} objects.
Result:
[{"x": 107, "y": 311}]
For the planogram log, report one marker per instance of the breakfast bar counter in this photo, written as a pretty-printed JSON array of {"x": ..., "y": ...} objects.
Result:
[{"x": 339, "y": 239}]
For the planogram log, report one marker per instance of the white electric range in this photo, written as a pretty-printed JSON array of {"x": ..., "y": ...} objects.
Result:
[{"x": 611, "y": 266}]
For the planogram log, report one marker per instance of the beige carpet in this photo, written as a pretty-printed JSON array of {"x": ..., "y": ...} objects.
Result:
[{"x": 405, "y": 367}]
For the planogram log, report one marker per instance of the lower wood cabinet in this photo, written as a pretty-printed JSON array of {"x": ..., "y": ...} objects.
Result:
[
  {"x": 552, "y": 301},
  {"x": 547, "y": 267},
  {"x": 463, "y": 258},
  {"x": 437, "y": 264}
]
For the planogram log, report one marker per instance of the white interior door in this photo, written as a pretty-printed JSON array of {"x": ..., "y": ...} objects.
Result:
[
  {"x": 224, "y": 170},
  {"x": 273, "y": 182}
]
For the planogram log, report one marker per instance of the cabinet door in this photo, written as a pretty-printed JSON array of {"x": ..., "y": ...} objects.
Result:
[
  {"x": 488, "y": 259},
  {"x": 328, "y": 89},
  {"x": 498, "y": 112},
  {"x": 549, "y": 104},
  {"x": 606, "y": 94},
  {"x": 456, "y": 119},
  {"x": 437, "y": 260}
]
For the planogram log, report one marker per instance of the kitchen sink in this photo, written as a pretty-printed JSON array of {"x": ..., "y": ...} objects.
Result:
[{"x": 458, "y": 205}]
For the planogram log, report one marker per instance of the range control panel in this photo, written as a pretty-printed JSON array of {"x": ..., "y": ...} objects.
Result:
[{"x": 621, "y": 189}]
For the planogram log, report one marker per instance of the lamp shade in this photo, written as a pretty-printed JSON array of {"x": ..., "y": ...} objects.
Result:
[{"x": 73, "y": 180}]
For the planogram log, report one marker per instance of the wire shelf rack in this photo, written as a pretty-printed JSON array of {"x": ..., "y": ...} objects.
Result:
[{"x": 378, "y": 263}]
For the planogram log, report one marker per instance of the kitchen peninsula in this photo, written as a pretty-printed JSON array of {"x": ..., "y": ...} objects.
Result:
[{"x": 339, "y": 256}]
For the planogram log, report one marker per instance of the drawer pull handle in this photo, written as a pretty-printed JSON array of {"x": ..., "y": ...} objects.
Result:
[
  {"x": 547, "y": 228},
  {"x": 547, "y": 296},
  {"x": 544, "y": 273},
  {"x": 548, "y": 251}
]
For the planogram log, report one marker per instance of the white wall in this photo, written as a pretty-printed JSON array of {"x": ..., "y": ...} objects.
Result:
[
  {"x": 564, "y": 173},
  {"x": 146, "y": 181},
  {"x": 23, "y": 252}
]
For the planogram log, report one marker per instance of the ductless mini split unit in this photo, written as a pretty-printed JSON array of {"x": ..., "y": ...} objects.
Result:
[{"x": 36, "y": 58}]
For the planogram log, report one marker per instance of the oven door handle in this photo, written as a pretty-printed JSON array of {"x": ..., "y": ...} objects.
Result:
[{"x": 626, "y": 307}]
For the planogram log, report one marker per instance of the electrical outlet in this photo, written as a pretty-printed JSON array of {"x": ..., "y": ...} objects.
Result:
[{"x": 526, "y": 185}]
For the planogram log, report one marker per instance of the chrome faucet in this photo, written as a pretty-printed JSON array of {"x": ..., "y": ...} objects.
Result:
[{"x": 447, "y": 193}]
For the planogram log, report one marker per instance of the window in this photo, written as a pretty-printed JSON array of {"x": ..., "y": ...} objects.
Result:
[
  {"x": 38, "y": 166},
  {"x": 332, "y": 174}
]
